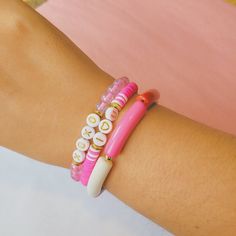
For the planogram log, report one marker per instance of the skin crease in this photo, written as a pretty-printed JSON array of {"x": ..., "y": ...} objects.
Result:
[{"x": 178, "y": 173}]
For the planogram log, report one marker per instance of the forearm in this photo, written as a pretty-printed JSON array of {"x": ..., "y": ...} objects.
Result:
[{"x": 175, "y": 171}]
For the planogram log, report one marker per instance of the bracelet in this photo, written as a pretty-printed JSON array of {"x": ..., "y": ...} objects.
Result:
[
  {"x": 105, "y": 127},
  {"x": 84, "y": 157},
  {"x": 88, "y": 131},
  {"x": 117, "y": 140}
]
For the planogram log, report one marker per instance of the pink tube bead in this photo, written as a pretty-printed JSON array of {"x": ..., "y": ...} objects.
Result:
[
  {"x": 122, "y": 131},
  {"x": 89, "y": 163}
]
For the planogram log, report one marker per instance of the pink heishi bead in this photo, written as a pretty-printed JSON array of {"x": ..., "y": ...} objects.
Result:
[{"x": 130, "y": 89}]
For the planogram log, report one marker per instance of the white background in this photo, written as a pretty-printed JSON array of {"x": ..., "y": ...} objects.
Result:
[{"x": 40, "y": 199}]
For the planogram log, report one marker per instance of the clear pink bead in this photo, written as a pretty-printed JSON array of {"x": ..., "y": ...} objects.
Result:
[
  {"x": 115, "y": 88},
  {"x": 107, "y": 97},
  {"x": 102, "y": 106},
  {"x": 124, "y": 80},
  {"x": 75, "y": 172}
]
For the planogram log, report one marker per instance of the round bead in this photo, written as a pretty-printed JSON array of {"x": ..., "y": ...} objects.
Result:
[
  {"x": 82, "y": 144},
  {"x": 93, "y": 120},
  {"x": 75, "y": 171},
  {"x": 107, "y": 97},
  {"x": 115, "y": 88},
  {"x": 101, "y": 107},
  {"x": 99, "y": 139},
  {"x": 78, "y": 156},
  {"x": 111, "y": 113},
  {"x": 105, "y": 126},
  {"x": 87, "y": 132},
  {"x": 125, "y": 80}
]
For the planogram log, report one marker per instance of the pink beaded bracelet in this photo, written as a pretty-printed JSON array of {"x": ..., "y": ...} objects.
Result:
[
  {"x": 105, "y": 127},
  {"x": 91, "y": 143},
  {"x": 117, "y": 140},
  {"x": 88, "y": 131}
]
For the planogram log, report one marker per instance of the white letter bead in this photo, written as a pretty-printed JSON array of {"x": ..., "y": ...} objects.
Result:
[
  {"x": 105, "y": 126},
  {"x": 98, "y": 176},
  {"x": 93, "y": 120},
  {"x": 111, "y": 113},
  {"x": 78, "y": 156},
  {"x": 87, "y": 132},
  {"x": 99, "y": 139},
  {"x": 82, "y": 144}
]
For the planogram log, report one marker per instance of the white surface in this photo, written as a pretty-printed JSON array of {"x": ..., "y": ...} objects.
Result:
[{"x": 39, "y": 199}]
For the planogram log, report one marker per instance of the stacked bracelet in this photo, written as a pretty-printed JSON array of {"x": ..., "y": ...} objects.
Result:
[
  {"x": 105, "y": 127},
  {"x": 117, "y": 140},
  {"x": 88, "y": 131},
  {"x": 91, "y": 143}
]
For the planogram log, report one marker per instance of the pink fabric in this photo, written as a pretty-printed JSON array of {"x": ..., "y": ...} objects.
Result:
[{"x": 184, "y": 48}]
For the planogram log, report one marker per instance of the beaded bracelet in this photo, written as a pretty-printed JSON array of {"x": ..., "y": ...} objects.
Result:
[
  {"x": 93, "y": 119},
  {"x": 105, "y": 127},
  {"x": 92, "y": 142},
  {"x": 117, "y": 140}
]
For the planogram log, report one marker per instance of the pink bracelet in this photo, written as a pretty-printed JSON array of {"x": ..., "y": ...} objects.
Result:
[
  {"x": 117, "y": 140},
  {"x": 105, "y": 127},
  {"x": 93, "y": 120}
]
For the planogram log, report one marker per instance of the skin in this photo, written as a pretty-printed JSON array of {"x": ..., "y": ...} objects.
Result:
[{"x": 179, "y": 173}]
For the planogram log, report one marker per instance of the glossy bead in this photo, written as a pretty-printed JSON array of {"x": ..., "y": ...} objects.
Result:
[
  {"x": 107, "y": 97},
  {"x": 82, "y": 144},
  {"x": 102, "y": 106},
  {"x": 78, "y": 156},
  {"x": 111, "y": 113},
  {"x": 116, "y": 105},
  {"x": 99, "y": 139},
  {"x": 87, "y": 132},
  {"x": 115, "y": 88},
  {"x": 75, "y": 171},
  {"x": 93, "y": 120},
  {"x": 124, "y": 80},
  {"x": 149, "y": 97},
  {"x": 98, "y": 176},
  {"x": 105, "y": 126}
]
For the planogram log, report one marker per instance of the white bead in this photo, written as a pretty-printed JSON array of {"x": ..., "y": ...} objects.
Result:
[
  {"x": 99, "y": 139},
  {"x": 87, "y": 132},
  {"x": 111, "y": 113},
  {"x": 78, "y": 156},
  {"x": 98, "y": 176},
  {"x": 93, "y": 120},
  {"x": 82, "y": 144},
  {"x": 105, "y": 126}
]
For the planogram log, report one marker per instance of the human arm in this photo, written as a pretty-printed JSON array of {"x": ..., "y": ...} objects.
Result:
[{"x": 181, "y": 174}]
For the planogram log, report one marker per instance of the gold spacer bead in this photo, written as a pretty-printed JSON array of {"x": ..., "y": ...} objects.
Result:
[
  {"x": 98, "y": 113},
  {"x": 76, "y": 163},
  {"x": 96, "y": 147},
  {"x": 116, "y": 105},
  {"x": 108, "y": 158}
]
